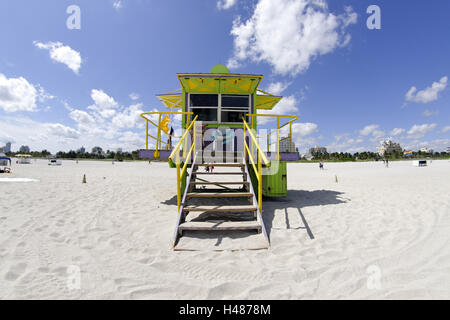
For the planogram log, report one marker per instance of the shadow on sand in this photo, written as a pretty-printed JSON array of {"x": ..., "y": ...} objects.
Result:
[
  {"x": 296, "y": 199},
  {"x": 170, "y": 202},
  {"x": 299, "y": 199}
]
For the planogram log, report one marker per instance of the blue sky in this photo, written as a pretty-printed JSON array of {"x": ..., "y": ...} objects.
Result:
[{"x": 351, "y": 86}]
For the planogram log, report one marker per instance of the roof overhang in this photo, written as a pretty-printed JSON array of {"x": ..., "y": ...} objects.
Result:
[{"x": 219, "y": 83}]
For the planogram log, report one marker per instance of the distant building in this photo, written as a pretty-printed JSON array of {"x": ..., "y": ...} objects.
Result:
[
  {"x": 388, "y": 146},
  {"x": 119, "y": 150},
  {"x": 317, "y": 150},
  {"x": 81, "y": 150},
  {"x": 24, "y": 149},
  {"x": 97, "y": 150},
  {"x": 426, "y": 150},
  {"x": 6, "y": 148},
  {"x": 285, "y": 145}
]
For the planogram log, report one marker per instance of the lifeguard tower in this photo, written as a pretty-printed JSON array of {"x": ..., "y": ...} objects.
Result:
[{"x": 219, "y": 114}]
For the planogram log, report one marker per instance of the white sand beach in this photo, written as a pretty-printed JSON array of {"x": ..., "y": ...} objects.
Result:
[{"x": 379, "y": 233}]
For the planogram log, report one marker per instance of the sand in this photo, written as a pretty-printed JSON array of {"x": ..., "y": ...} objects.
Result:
[{"x": 376, "y": 234}]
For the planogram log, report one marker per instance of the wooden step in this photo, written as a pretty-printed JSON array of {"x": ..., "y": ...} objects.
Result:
[
  {"x": 247, "y": 208},
  {"x": 219, "y": 195},
  {"x": 220, "y": 173},
  {"x": 231, "y": 164},
  {"x": 220, "y": 225},
  {"x": 220, "y": 182}
]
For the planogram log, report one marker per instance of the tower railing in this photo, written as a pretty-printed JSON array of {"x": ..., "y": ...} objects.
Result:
[
  {"x": 160, "y": 131},
  {"x": 277, "y": 131}
]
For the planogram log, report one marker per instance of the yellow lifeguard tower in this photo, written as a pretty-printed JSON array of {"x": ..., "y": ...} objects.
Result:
[{"x": 219, "y": 121}]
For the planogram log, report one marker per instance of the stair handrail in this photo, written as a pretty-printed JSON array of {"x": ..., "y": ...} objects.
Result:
[
  {"x": 261, "y": 157},
  {"x": 176, "y": 153}
]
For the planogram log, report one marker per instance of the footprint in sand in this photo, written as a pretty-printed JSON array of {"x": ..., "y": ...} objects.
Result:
[{"x": 16, "y": 271}]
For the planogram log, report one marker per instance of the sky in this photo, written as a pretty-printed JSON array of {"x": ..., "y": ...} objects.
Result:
[{"x": 69, "y": 80}]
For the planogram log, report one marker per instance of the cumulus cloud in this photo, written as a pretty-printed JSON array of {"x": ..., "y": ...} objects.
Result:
[
  {"x": 62, "y": 54},
  {"x": 85, "y": 122},
  {"x": 289, "y": 34},
  {"x": 397, "y": 131},
  {"x": 82, "y": 117},
  {"x": 62, "y": 131},
  {"x": 17, "y": 94},
  {"x": 287, "y": 105},
  {"x": 304, "y": 129},
  {"x": 427, "y": 95},
  {"x": 436, "y": 145},
  {"x": 104, "y": 104},
  {"x": 419, "y": 131},
  {"x": 130, "y": 117},
  {"x": 132, "y": 138},
  {"x": 277, "y": 88},
  {"x": 225, "y": 4},
  {"x": 345, "y": 143},
  {"x": 368, "y": 130},
  {"x": 105, "y": 121}
]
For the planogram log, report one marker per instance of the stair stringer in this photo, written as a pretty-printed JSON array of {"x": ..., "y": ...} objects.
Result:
[{"x": 176, "y": 233}]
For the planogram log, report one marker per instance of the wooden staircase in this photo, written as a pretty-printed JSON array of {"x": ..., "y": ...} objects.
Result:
[{"x": 220, "y": 205}]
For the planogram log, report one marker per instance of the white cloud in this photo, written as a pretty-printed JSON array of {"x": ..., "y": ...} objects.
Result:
[
  {"x": 134, "y": 96},
  {"x": 419, "y": 131},
  {"x": 129, "y": 118},
  {"x": 287, "y": 105},
  {"x": 86, "y": 123},
  {"x": 303, "y": 129},
  {"x": 289, "y": 34},
  {"x": 43, "y": 95},
  {"x": 370, "y": 129},
  {"x": 62, "y": 131},
  {"x": 104, "y": 104},
  {"x": 225, "y": 4},
  {"x": 17, "y": 94},
  {"x": 344, "y": 143},
  {"x": 429, "y": 113},
  {"x": 117, "y": 4},
  {"x": 132, "y": 138},
  {"x": 277, "y": 88},
  {"x": 63, "y": 54},
  {"x": 436, "y": 145},
  {"x": 39, "y": 135},
  {"x": 445, "y": 129},
  {"x": 82, "y": 117},
  {"x": 427, "y": 95},
  {"x": 397, "y": 131},
  {"x": 377, "y": 135}
]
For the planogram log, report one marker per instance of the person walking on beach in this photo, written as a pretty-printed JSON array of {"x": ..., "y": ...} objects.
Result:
[
  {"x": 387, "y": 163},
  {"x": 212, "y": 169},
  {"x": 321, "y": 165}
]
